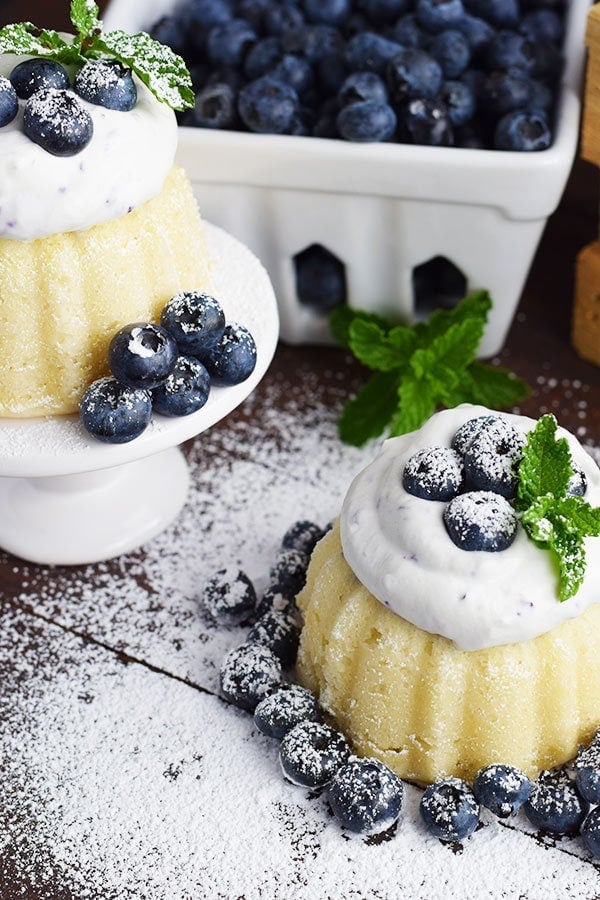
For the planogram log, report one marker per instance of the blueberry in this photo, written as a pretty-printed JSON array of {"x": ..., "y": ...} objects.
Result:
[
  {"x": 369, "y": 52},
  {"x": 590, "y": 832},
  {"x": 195, "y": 320},
  {"x": 229, "y": 597},
  {"x": 114, "y": 413},
  {"x": 108, "y": 83},
  {"x": 320, "y": 280},
  {"x": 289, "y": 571},
  {"x": 439, "y": 15},
  {"x": 365, "y": 796},
  {"x": 362, "y": 86},
  {"x": 587, "y": 771},
  {"x": 426, "y": 121},
  {"x": 501, "y": 13},
  {"x": 267, "y": 106},
  {"x": 492, "y": 459},
  {"x": 365, "y": 121},
  {"x": 263, "y": 56},
  {"x": 184, "y": 391},
  {"x": 9, "y": 103},
  {"x": 328, "y": 12},
  {"x": 302, "y": 536},
  {"x": 311, "y": 753},
  {"x": 233, "y": 358},
  {"x": 57, "y": 122},
  {"x": 413, "y": 73},
  {"x": 502, "y": 789},
  {"x": 200, "y": 15},
  {"x": 279, "y": 631},
  {"x": 555, "y": 805},
  {"x": 142, "y": 355},
  {"x": 276, "y": 598},
  {"x": 408, "y": 32},
  {"x": 470, "y": 429},
  {"x": 469, "y": 136},
  {"x": 449, "y": 810},
  {"x": 214, "y": 107},
  {"x": 284, "y": 708},
  {"x": 433, "y": 473},
  {"x": 33, "y": 74},
  {"x": 248, "y": 675},
  {"x": 380, "y": 11},
  {"x": 578, "y": 482},
  {"x": 253, "y": 12},
  {"x": 502, "y": 92},
  {"x": 540, "y": 96},
  {"x": 508, "y": 49},
  {"x": 481, "y": 520},
  {"x": 280, "y": 19},
  {"x": 294, "y": 71},
  {"x": 452, "y": 51},
  {"x": 316, "y": 42},
  {"x": 171, "y": 30},
  {"x": 478, "y": 33},
  {"x": 331, "y": 71},
  {"x": 228, "y": 43},
  {"x": 542, "y": 25},
  {"x": 523, "y": 130},
  {"x": 459, "y": 100}
]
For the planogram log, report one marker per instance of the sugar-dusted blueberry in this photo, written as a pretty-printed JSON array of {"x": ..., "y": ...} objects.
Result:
[
  {"x": 229, "y": 596},
  {"x": 248, "y": 675},
  {"x": 366, "y": 121},
  {"x": 57, "y": 122},
  {"x": 502, "y": 789},
  {"x": 233, "y": 358},
  {"x": 214, "y": 107},
  {"x": 492, "y": 459},
  {"x": 365, "y": 796},
  {"x": 451, "y": 50},
  {"x": 587, "y": 771},
  {"x": 413, "y": 73},
  {"x": 284, "y": 708},
  {"x": 311, "y": 753},
  {"x": 468, "y": 430},
  {"x": 481, "y": 520},
  {"x": 427, "y": 122},
  {"x": 267, "y": 105},
  {"x": 279, "y": 631},
  {"x": 278, "y": 598},
  {"x": 289, "y": 570},
  {"x": 184, "y": 391},
  {"x": 228, "y": 43},
  {"x": 433, "y": 473},
  {"x": 302, "y": 536},
  {"x": 113, "y": 412},
  {"x": 9, "y": 102},
  {"x": 329, "y": 12},
  {"x": 523, "y": 130},
  {"x": 196, "y": 321},
  {"x": 590, "y": 832},
  {"x": 142, "y": 355},
  {"x": 370, "y": 52},
  {"x": 459, "y": 100},
  {"x": 577, "y": 482},
  {"x": 555, "y": 804},
  {"x": 108, "y": 83},
  {"x": 439, "y": 15},
  {"x": 34, "y": 74},
  {"x": 449, "y": 810}
]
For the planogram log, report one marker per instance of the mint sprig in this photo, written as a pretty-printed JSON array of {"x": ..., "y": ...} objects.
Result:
[
  {"x": 427, "y": 365},
  {"x": 157, "y": 66},
  {"x": 553, "y": 519}
]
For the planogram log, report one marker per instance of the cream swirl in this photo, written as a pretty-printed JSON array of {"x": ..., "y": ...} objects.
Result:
[
  {"x": 398, "y": 547},
  {"x": 125, "y": 164}
]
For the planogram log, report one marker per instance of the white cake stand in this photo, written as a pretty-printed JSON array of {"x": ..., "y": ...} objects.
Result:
[{"x": 68, "y": 499}]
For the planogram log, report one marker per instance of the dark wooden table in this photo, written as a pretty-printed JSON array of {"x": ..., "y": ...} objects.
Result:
[{"x": 108, "y": 672}]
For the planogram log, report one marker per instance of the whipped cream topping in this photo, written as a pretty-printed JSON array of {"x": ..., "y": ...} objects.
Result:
[
  {"x": 125, "y": 164},
  {"x": 398, "y": 547}
]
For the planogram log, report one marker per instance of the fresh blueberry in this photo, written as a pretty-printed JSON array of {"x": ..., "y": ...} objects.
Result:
[
  {"x": 171, "y": 30},
  {"x": 452, "y": 51},
  {"x": 492, "y": 459},
  {"x": 362, "y": 86},
  {"x": 548, "y": 61},
  {"x": 502, "y": 789},
  {"x": 253, "y": 12},
  {"x": 370, "y": 52},
  {"x": 328, "y": 12},
  {"x": 34, "y": 74},
  {"x": 481, "y": 520},
  {"x": 200, "y": 15},
  {"x": 214, "y": 107},
  {"x": 413, "y": 73},
  {"x": 302, "y": 536},
  {"x": 523, "y": 130},
  {"x": 249, "y": 674},
  {"x": 540, "y": 96},
  {"x": 58, "y": 122},
  {"x": 459, "y": 101},
  {"x": 184, "y": 391},
  {"x": 279, "y": 631},
  {"x": 331, "y": 72},
  {"x": 381, "y": 11},
  {"x": 229, "y": 597},
  {"x": 502, "y": 92},
  {"x": 500, "y": 13},
  {"x": 408, "y": 32},
  {"x": 311, "y": 753},
  {"x": 227, "y": 44},
  {"x": 439, "y": 15},
  {"x": 280, "y": 19},
  {"x": 578, "y": 482},
  {"x": 365, "y": 796},
  {"x": 587, "y": 771},
  {"x": 267, "y": 105},
  {"x": 294, "y": 71},
  {"x": 320, "y": 280},
  {"x": 114, "y": 413},
  {"x": 449, "y": 810},
  {"x": 426, "y": 121},
  {"x": 366, "y": 121},
  {"x": 9, "y": 102},
  {"x": 276, "y": 598},
  {"x": 107, "y": 83},
  {"x": 590, "y": 832},
  {"x": 233, "y": 358},
  {"x": 142, "y": 355},
  {"x": 285, "y": 708},
  {"x": 555, "y": 805},
  {"x": 263, "y": 56},
  {"x": 433, "y": 473},
  {"x": 470, "y": 137},
  {"x": 315, "y": 42},
  {"x": 508, "y": 49},
  {"x": 542, "y": 25},
  {"x": 470, "y": 429},
  {"x": 478, "y": 33},
  {"x": 289, "y": 571},
  {"x": 195, "y": 320}
]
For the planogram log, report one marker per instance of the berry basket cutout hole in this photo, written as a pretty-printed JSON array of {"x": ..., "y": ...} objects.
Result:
[
  {"x": 437, "y": 284},
  {"x": 320, "y": 279}
]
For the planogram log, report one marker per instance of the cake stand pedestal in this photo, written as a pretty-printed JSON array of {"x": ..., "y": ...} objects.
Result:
[{"x": 67, "y": 499}]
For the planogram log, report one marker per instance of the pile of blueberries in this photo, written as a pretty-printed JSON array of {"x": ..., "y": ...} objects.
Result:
[
  {"x": 53, "y": 116},
  {"x": 167, "y": 368},
  {"x": 365, "y": 795},
  {"x": 477, "y": 476},
  {"x": 465, "y": 73}
]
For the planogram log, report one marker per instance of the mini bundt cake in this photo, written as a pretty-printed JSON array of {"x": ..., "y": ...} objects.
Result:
[
  {"x": 438, "y": 659},
  {"x": 89, "y": 242}
]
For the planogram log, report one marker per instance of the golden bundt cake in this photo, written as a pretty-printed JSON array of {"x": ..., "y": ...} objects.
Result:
[{"x": 439, "y": 660}]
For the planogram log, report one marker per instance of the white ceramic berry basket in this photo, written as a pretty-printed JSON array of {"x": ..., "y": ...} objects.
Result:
[{"x": 382, "y": 208}]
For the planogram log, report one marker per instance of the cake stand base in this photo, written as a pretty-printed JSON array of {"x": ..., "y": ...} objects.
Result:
[{"x": 92, "y": 516}]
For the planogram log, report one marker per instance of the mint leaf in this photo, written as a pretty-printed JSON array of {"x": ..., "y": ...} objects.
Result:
[
  {"x": 369, "y": 412},
  {"x": 417, "y": 401},
  {"x": 545, "y": 466},
  {"x": 342, "y": 317},
  {"x": 20, "y": 38},
  {"x": 535, "y": 520},
  {"x": 161, "y": 70},
  {"x": 449, "y": 353},
  {"x": 490, "y": 386},
  {"x": 374, "y": 348},
  {"x": 85, "y": 17},
  {"x": 569, "y": 552},
  {"x": 582, "y": 517},
  {"x": 474, "y": 306}
]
